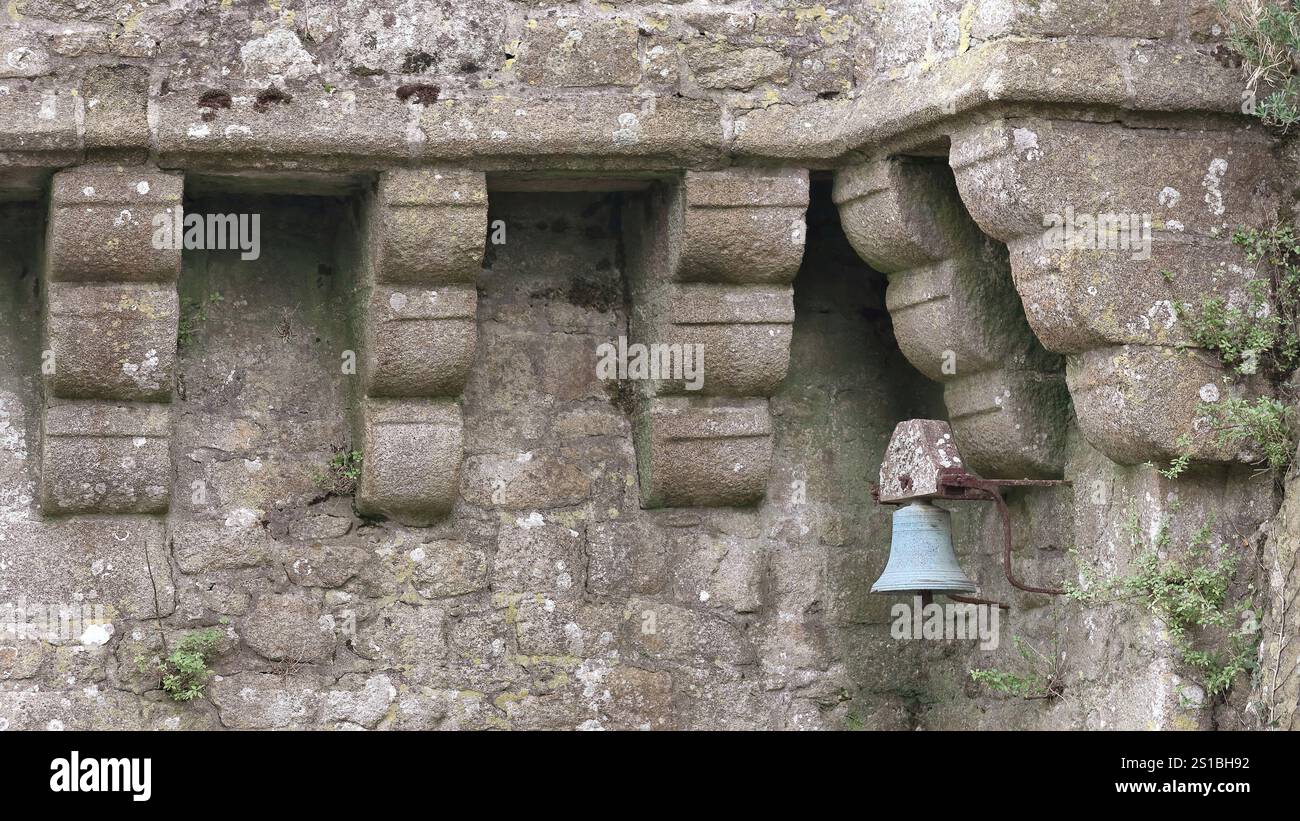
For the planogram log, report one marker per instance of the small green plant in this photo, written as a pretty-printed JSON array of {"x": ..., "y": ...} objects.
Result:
[
  {"x": 185, "y": 671},
  {"x": 1042, "y": 677},
  {"x": 1261, "y": 335},
  {"x": 342, "y": 473},
  {"x": 1179, "y": 464},
  {"x": 1265, "y": 424},
  {"x": 194, "y": 312},
  {"x": 1267, "y": 36},
  {"x": 1258, "y": 336},
  {"x": 1188, "y": 595}
]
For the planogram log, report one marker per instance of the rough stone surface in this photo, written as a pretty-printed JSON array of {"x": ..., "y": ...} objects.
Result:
[
  {"x": 287, "y": 627},
  {"x": 958, "y": 316},
  {"x": 101, "y": 224},
  {"x": 113, "y": 341},
  {"x": 1080, "y": 298},
  {"x": 105, "y": 457},
  {"x": 412, "y": 459}
]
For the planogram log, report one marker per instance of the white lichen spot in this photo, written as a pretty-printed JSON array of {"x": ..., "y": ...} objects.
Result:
[
  {"x": 1026, "y": 142},
  {"x": 1214, "y": 196},
  {"x": 97, "y": 635},
  {"x": 243, "y": 517},
  {"x": 629, "y": 130},
  {"x": 1209, "y": 392},
  {"x": 1168, "y": 197},
  {"x": 534, "y": 520},
  {"x": 279, "y": 55},
  {"x": 49, "y": 106}
]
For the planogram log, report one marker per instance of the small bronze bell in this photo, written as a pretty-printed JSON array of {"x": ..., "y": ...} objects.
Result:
[{"x": 921, "y": 556}]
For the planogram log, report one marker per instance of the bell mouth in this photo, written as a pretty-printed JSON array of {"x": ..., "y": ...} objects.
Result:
[{"x": 921, "y": 591}]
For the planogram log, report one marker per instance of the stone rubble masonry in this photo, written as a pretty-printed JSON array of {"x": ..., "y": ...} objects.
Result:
[
  {"x": 424, "y": 234},
  {"x": 110, "y": 331},
  {"x": 957, "y": 316},
  {"x": 711, "y": 259},
  {"x": 1136, "y": 382}
]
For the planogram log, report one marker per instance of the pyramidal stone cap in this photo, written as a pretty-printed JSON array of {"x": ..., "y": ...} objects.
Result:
[{"x": 918, "y": 452}]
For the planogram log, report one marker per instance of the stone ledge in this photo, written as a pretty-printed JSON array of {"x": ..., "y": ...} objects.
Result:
[
  {"x": 371, "y": 128},
  {"x": 1127, "y": 75}
]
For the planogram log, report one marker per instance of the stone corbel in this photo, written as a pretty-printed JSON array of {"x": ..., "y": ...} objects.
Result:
[
  {"x": 1136, "y": 379},
  {"x": 957, "y": 316},
  {"x": 711, "y": 259},
  {"x": 110, "y": 342},
  {"x": 424, "y": 233}
]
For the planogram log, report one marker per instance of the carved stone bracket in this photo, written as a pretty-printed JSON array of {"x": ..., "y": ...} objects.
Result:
[
  {"x": 1136, "y": 380},
  {"x": 957, "y": 316},
  {"x": 424, "y": 231},
  {"x": 110, "y": 342},
  {"x": 711, "y": 259}
]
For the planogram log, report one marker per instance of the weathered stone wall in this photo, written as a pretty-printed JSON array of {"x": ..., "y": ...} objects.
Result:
[
  {"x": 832, "y": 197},
  {"x": 527, "y": 606}
]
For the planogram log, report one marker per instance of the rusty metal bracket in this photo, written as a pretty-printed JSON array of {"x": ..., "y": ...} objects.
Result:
[{"x": 959, "y": 485}]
